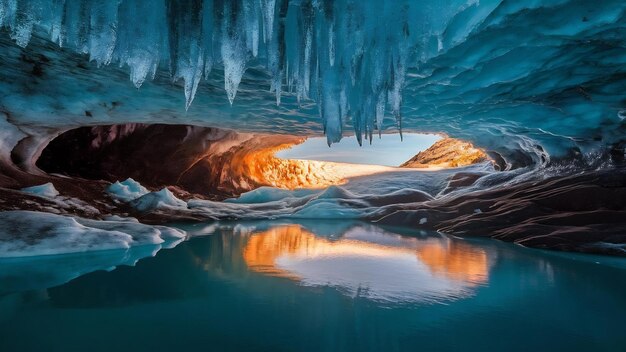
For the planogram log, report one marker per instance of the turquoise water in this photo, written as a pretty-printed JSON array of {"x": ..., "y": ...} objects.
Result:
[{"x": 311, "y": 287}]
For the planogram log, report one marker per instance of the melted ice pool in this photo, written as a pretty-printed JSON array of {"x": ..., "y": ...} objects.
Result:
[{"x": 313, "y": 286}]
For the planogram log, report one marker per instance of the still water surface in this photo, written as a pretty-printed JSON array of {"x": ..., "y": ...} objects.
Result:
[{"x": 334, "y": 286}]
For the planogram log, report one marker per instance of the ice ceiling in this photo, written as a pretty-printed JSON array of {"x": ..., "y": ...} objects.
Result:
[{"x": 542, "y": 78}]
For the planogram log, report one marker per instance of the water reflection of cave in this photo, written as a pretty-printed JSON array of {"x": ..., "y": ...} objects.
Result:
[{"x": 402, "y": 268}]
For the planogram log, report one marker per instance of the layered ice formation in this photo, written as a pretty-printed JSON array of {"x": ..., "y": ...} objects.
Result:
[
  {"x": 27, "y": 233},
  {"x": 530, "y": 80}
]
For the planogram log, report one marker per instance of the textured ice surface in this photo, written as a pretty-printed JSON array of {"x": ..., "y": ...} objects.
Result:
[
  {"x": 28, "y": 233},
  {"x": 126, "y": 190},
  {"x": 154, "y": 200},
  {"x": 541, "y": 77},
  {"x": 45, "y": 190},
  {"x": 141, "y": 199},
  {"x": 358, "y": 199}
]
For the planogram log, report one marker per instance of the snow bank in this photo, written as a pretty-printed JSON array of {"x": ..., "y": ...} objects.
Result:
[{"x": 28, "y": 233}]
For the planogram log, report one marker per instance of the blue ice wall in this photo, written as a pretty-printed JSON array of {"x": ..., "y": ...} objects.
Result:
[{"x": 542, "y": 77}]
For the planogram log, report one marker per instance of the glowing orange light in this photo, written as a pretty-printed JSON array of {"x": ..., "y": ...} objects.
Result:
[
  {"x": 262, "y": 167},
  {"x": 457, "y": 261}
]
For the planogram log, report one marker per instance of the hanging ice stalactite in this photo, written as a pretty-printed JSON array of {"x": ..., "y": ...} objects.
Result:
[{"x": 355, "y": 53}]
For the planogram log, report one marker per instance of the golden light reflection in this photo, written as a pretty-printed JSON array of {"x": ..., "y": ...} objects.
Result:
[{"x": 455, "y": 261}]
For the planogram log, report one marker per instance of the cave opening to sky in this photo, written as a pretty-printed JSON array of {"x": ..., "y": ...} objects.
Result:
[{"x": 388, "y": 150}]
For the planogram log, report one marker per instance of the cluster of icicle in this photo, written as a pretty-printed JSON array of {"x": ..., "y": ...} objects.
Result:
[{"x": 350, "y": 56}]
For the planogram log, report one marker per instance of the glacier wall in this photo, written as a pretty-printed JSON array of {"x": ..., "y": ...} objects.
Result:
[{"x": 532, "y": 80}]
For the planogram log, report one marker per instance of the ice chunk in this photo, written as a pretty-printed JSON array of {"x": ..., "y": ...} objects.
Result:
[
  {"x": 46, "y": 190},
  {"x": 268, "y": 194},
  {"x": 154, "y": 200},
  {"x": 126, "y": 190},
  {"x": 28, "y": 233},
  {"x": 141, "y": 234},
  {"x": 24, "y": 233}
]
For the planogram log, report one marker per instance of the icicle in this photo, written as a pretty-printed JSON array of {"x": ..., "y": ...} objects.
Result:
[
  {"x": 350, "y": 56},
  {"x": 25, "y": 15},
  {"x": 234, "y": 67},
  {"x": 234, "y": 54},
  {"x": 102, "y": 31},
  {"x": 380, "y": 112},
  {"x": 7, "y": 11},
  {"x": 331, "y": 44},
  {"x": 55, "y": 18},
  {"x": 208, "y": 24},
  {"x": 269, "y": 9},
  {"x": 185, "y": 38}
]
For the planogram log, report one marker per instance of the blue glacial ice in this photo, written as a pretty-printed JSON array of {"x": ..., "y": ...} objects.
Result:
[
  {"x": 140, "y": 198},
  {"x": 27, "y": 233},
  {"x": 126, "y": 190},
  {"x": 155, "y": 200},
  {"x": 541, "y": 78},
  {"x": 45, "y": 190}
]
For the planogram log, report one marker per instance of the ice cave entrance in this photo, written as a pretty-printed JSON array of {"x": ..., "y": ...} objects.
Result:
[{"x": 386, "y": 150}]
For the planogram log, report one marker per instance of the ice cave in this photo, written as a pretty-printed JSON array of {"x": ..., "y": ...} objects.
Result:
[{"x": 312, "y": 175}]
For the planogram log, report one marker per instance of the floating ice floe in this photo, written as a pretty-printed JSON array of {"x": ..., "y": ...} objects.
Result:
[{"x": 28, "y": 233}]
